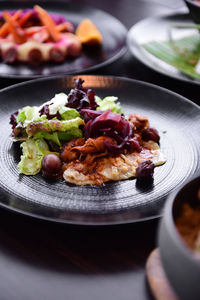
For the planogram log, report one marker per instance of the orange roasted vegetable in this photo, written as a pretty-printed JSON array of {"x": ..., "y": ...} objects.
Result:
[
  {"x": 46, "y": 20},
  {"x": 67, "y": 26},
  {"x": 15, "y": 29},
  {"x": 88, "y": 33},
  {"x": 4, "y": 30},
  {"x": 25, "y": 18}
]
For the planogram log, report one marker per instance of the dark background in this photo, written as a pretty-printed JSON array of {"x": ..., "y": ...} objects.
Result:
[{"x": 41, "y": 260}]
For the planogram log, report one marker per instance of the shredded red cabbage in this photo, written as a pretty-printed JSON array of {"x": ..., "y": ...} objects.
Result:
[
  {"x": 80, "y": 97},
  {"x": 113, "y": 125},
  {"x": 89, "y": 114}
]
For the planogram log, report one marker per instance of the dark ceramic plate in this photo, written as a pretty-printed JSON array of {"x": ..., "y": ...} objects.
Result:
[
  {"x": 176, "y": 118},
  {"x": 156, "y": 29},
  {"x": 113, "y": 33}
]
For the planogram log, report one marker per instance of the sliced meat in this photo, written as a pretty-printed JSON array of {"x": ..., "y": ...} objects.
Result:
[
  {"x": 105, "y": 168},
  {"x": 35, "y": 57},
  {"x": 79, "y": 147},
  {"x": 10, "y": 55},
  {"x": 67, "y": 153},
  {"x": 138, "y": 122},
  {"x": 95, "y": 145},
  {"x": 74, "y": 48},
  {"x": 56, "y": 55}
]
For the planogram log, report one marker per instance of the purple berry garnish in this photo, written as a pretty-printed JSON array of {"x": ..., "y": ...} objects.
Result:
[
  {"x": 150, "y": 134},
  {"x": 145, "y": 169}
]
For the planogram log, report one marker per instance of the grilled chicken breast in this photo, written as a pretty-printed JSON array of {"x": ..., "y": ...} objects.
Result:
[{"x": 95, "y": 169}]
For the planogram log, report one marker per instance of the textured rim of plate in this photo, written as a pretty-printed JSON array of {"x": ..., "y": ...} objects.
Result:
[
  {"x": 108, "y": 223},
  {"x": 121, "y": 52},
  {"x": 136, "y": 49}
]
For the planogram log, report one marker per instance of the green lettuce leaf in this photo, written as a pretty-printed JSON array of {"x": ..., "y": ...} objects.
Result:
[
  {"x": 48, "y": 136},
  {"x": 109, "y": 102},
  {"x": 56, "y": 103},
  {"x": 56, "y": 130},
  {"x": 33, "y": 152},
  {"x": 59, "y": 137},
  {"x": 69, "y": 135},
  {"x": 28, "y": 113},
  {"x": 51, "y": 126},
  {"x": 21, "y": 116},
  {"x": 68, "y": 113}
]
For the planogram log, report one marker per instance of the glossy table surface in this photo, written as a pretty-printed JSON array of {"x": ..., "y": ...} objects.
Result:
[{"x": 41, "y": 260}]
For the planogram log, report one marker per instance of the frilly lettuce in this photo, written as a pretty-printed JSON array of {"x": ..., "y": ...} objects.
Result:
[
  {"x": 60, "y": 137},
  {"x": 109, "y": 102},
  {"x": 53, "y": 125},
  {"x": 56, "y": 130},
  {"x": 56, "y": 103},
  {"x": 33, "y": 152},
  {"x": 29, "y": 114},
  {"x": 68, "y": 113}
]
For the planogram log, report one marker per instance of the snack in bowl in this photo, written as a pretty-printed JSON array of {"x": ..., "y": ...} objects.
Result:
[
  {"x": 35, "y": 36},
  {"x": 85, "y": 139},
  {"x": 188, "y": 224},
  {"x": 178, "y": 239}
]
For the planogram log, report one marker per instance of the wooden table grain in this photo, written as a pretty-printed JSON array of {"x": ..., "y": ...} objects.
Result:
[{"x": 42, "y": 260}]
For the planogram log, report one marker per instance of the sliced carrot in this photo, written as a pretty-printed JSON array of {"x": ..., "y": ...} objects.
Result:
[
  {"x": 25, "y": 18},
  {"x": 46, "y": 20},
  {"x": 88, "y": 33},
  {"x": 14, "y": 28},
  {"x": 4, "y": 30},
  {"x": 33, "y": 29},
  {"x": 67, "y": 26}
]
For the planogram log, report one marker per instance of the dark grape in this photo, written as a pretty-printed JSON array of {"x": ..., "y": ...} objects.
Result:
[
  {"x": 145, "y": 169},
  {"x": 150, "y": 134},
  {"x": 133, "y": 145},
  {"x": 51, "y": 166}
]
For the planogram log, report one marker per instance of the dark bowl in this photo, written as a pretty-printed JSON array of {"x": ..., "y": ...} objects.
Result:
[
  {"x": 181, "y": 265},
  {"x": 194, "y": 9}
]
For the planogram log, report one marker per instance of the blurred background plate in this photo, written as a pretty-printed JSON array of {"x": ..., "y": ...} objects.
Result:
[
  {"x": 176, "y": 118},
  {"x": 112, "y": 30},
  {"x": 156, "y": 29}
]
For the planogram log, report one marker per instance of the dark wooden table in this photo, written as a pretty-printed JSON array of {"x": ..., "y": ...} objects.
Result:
[{"x": 41, "y": 260}]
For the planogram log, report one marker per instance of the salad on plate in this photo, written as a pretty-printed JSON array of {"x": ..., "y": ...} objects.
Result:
[{"x": 84, "y": 139}]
